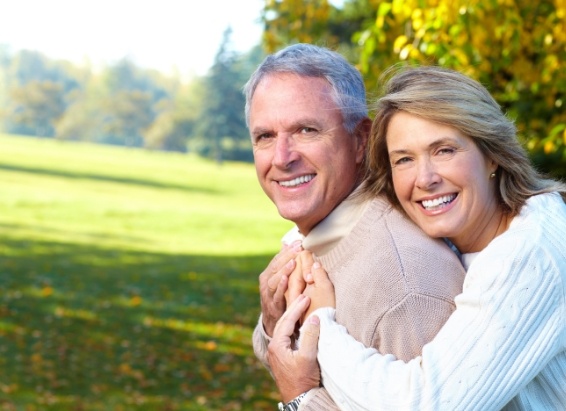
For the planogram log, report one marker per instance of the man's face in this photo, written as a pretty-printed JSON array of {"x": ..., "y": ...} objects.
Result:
[{"x": 306, "y": 161}]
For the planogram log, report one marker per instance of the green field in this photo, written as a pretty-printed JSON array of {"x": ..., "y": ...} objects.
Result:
[{"x": 128, "y": 279}]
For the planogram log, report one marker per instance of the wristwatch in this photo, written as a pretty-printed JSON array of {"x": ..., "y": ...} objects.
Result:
[{"x": 292, "y": 405}]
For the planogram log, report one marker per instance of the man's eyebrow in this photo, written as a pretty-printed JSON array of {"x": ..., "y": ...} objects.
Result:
[{"x": 260, "y": 130}]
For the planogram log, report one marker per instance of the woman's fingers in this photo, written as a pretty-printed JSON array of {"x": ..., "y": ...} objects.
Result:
[
  {"x": 308, "y": 346},
  {"x": 307, "y": 261}
]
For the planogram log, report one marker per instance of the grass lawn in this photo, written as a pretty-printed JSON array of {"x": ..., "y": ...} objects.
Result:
[{"x": 128, "y": 279}]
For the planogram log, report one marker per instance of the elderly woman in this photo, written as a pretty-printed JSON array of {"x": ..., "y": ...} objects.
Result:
[{"x": 444, "y": 153}]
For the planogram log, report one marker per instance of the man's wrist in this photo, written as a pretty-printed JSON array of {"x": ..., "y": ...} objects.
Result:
[{"x": 292, "y": 405}]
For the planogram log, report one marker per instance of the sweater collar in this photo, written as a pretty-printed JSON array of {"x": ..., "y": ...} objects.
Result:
[{"x": 326, "y": 234}]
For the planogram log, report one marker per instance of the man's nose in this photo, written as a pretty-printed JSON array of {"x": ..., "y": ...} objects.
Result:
[{"x": 285, "y": 151}]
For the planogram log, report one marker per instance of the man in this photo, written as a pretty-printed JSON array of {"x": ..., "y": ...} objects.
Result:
[{"x": 306, "y": 111}]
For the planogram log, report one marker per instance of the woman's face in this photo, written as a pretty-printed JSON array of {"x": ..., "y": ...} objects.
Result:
[{"x": 442, "y": 181}]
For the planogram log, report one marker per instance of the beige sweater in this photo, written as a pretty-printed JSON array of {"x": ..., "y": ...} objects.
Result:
[{"x": 394, "y": 285}]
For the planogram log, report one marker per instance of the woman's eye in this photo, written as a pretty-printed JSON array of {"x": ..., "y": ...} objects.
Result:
[
  {"x": 446, "y": 150},
  {"x": 401, "y": 161}
]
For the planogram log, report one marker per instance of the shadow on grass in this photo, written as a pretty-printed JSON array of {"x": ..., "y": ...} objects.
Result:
[
  {"x": 76, "y": 175},
  {"x": 86, "y": 328}
]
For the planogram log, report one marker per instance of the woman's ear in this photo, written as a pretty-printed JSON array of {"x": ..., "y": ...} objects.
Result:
[{"x": 492, "y": 166}]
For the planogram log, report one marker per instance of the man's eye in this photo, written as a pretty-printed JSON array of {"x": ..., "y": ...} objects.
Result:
[
  {"x": 308, "y": 130},
  {"x": 262, "y": 137}
]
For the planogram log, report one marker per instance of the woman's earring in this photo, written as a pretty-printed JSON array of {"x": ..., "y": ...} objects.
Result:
[{"x": 492, "y": 175}]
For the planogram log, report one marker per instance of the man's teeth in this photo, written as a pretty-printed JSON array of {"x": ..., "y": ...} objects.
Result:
[
  {"x": 438, "y": 202},
  {"x": 296, "y": 181}
]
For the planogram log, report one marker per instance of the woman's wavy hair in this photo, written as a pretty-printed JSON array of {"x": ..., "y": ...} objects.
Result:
[{"x": 453, "y": 99}]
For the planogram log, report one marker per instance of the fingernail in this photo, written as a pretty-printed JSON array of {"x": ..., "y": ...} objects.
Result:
[
  {"x": 290, "y": 263},
  {"x": 314, "y": 320},
  {"x": 316, "y": 265},
  {"x": 309, "y": 277}
]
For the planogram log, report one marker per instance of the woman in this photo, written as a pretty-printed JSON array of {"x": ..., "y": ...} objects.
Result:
[{"x": 444, "y": 153}]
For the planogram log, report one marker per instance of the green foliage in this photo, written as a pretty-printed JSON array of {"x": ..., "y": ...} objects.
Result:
[
  {"x": 516, "y": 48},
  {"x": 126, "y": 105},
  {"x": 128, "y": 279},
  {"x": 222, "y": 117},
  {"x": 36, "y": 106},
  {"x": 34, "y": 93}
]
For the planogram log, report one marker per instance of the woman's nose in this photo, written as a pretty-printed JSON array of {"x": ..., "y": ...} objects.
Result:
[{"x": 427, "y": 175}]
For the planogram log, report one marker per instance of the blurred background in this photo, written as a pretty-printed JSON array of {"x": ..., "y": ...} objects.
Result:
[
  {"x": 132, "y": 226},
  {"x": 168, "y": 75}
]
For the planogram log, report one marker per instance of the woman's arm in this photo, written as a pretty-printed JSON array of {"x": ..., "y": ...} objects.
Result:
[{"x": 506, "y": 327}]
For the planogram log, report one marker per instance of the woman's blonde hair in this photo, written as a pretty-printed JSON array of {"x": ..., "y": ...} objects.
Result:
[{"x": 451, "y": 98}]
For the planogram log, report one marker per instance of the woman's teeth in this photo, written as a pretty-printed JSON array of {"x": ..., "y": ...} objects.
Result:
[{"x": 438, "y": 202}]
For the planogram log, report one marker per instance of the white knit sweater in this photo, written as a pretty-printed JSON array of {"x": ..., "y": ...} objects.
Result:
[{"x": 503, "y": 347}]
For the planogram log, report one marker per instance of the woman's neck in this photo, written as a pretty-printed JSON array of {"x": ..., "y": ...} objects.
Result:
[{"x": 495, "y": 226}]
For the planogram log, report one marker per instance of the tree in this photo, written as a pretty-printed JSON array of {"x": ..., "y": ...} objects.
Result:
[
  {"x": 222, "y": 122},
  {"x": 36, "y": 106},
  {"x": 36, "y": 93},
  {"x": 516, "y": 48},
  {"x": 127, "y": 104}
]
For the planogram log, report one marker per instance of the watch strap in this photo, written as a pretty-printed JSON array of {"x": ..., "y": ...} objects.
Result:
[{"x": 292, "y": 405}]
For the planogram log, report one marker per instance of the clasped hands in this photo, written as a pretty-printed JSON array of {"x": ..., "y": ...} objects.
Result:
[{"x": 294, "y": 281}]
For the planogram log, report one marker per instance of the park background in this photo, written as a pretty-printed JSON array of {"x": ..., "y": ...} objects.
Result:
[{"x": 132, "y": 226}]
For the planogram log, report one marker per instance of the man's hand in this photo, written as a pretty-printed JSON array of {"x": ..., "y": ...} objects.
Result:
[
  {"x": 273, "y": 283},
  {"x": 295, "y": 370}
]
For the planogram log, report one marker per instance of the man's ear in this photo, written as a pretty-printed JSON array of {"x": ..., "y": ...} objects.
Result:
[{"x": 362, "y": 135}]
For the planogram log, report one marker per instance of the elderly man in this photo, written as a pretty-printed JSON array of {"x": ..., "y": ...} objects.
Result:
[{"x": 307, "y": 116}]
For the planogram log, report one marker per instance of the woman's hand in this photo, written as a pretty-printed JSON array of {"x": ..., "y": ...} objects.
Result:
[
  {"x": 320, "y": 289},
  {"x": 296, "y": 283}
]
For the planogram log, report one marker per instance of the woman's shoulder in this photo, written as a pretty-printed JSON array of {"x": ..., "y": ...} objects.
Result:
[
  {"x": 535, "y": 238},
  {"x": 542, "y": 216}
]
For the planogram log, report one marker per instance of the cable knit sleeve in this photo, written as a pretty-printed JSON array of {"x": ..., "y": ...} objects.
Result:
[{"x": 508, "y": 326}]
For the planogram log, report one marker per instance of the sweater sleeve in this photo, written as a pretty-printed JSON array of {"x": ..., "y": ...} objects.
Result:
[
  {"x": 318, "y": 400},
  {"x": 423, "y": 314},
  {"x": 260, "y": 341},
  {"x": 507, "y": 326}
]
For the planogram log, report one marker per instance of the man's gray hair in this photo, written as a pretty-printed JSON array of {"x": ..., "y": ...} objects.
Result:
[{"x": 348, "y": 89}]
